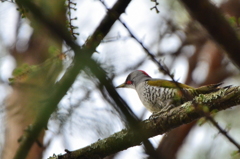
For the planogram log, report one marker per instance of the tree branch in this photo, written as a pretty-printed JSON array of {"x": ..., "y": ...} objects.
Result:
[
  {"x": 214, "y": 22},
  {"x": 158, "y": 124},
  {"x": 81, "y": 60},
  {"x": 166, "y": 71}
]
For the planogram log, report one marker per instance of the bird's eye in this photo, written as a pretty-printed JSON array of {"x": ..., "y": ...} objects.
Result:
[{"x": 129, "y": 82}]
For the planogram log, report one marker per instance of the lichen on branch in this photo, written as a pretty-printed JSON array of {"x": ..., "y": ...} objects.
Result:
[{"x": 158, "y": 124}]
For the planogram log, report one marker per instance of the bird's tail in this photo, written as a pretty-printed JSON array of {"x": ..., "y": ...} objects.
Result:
[{"x": 210, "y": 88}]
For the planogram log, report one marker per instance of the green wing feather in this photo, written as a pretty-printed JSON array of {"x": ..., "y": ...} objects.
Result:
[
  {"x": 167, "y": 84},
  {"x": 209, "y": 88},
  {"x": 194, "y": 91}
]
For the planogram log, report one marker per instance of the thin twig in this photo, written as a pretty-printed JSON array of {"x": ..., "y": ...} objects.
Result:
[
  {"x": 81, "y": 59},
  {"x": 166, "y": 71},
  {"x": 151, "y": 127},
  {"x": 222, "y": 131},
  {"x": 72, "y": 28}
]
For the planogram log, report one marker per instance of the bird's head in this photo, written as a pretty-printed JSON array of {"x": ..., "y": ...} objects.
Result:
[{"x": 134, "y": 78}]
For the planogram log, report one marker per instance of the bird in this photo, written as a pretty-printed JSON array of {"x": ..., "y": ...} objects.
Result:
[{"x": 159, "y": 94}]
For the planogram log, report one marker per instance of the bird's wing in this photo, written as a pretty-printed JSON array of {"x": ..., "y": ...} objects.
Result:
[{"x": 167, "y": 84}]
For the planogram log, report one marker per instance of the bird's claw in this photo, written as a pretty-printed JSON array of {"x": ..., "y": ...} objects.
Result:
[{"x": 164, "y": 110}]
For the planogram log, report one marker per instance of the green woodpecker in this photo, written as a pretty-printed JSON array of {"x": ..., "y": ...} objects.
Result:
[{"x": 158, "y": 94}]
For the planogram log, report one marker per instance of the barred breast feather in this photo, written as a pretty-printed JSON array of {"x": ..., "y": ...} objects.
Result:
[
  {"x": 154, "y": 98},
  {"x": 158, "y": 94}
]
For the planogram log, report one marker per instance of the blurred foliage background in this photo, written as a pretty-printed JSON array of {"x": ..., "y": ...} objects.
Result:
[{"x": 84, "y": 115}]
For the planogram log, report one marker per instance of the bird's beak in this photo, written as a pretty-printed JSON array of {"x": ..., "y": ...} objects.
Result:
[{"x": 121, "y": 86}]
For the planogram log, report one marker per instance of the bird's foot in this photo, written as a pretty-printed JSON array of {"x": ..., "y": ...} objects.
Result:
[{"x": 164, "y": 110}]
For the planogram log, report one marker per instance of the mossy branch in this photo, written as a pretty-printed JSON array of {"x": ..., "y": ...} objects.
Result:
[{"x": 158, "y": 124}]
